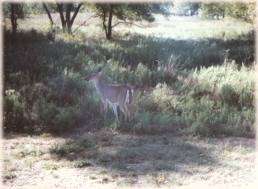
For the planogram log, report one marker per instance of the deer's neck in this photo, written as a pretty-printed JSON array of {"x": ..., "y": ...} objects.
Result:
[{"x": 99, "y": 85}]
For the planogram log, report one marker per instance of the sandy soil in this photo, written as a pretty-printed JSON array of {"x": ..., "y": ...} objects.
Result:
[{"x": 118, "y": 160}]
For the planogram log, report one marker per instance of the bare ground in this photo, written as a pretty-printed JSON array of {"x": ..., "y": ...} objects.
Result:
[{"x": 107, "y": 158}]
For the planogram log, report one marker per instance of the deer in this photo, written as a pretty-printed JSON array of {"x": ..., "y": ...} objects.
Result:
[{"x": 113, "y": 95}]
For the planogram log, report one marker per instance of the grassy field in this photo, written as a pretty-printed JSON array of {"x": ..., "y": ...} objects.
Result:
[
  {"x": 176, "y": 27},
  {"x": 188, "y": 126}
]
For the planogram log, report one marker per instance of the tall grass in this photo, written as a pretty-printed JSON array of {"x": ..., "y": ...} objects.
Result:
[
  {"x": 211, "y": 101},
  {"x": 191, "y": 85}
]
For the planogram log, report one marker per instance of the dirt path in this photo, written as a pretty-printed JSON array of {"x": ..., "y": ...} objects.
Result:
[{"x": 109, "y": 159}]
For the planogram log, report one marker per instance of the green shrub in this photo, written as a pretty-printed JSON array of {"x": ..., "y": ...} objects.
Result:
[
  {"x": 234, "y": 85},
  {"x": 246, "y": 97},
  {"x": 52, "y": 118},
  {"x": 144, "y": 119},
  {"x": 66, "y": 119},
  {"x": 66, "y": 90},
  {"x": 199, "y": 128},
  {"x": 82, "y": 163},
  {"x": 143, "y": 74},
  {"x": 162, "y": 119},
  {"x": 160, "y": 99},
  {"x": 209, "y": 119},
  {"x": 47, "y": 113},
  {"x": 13, "y": 119},
  {"x": 229, "y": 95},
  {"x": 52, "y": 95}
]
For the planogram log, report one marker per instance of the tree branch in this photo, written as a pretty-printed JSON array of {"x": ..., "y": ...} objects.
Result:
[
  {"x": 118, "y": 24},
  {"x": 48, "y": 14},
  {"x": 68, "y": 13},
  {"x": 76, "y": 12},
  {"x": 84, "y": 23},
  {"x": 60, "y": 10},
  {"x": 129, "y": 23}
]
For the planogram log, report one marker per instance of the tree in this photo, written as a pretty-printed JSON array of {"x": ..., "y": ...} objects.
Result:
[
  {"x": 48, "y": 14},
  {"x": 65, "y": 11},
  {"x": 125, "y": 13},
  {"x": 186, "y": 8},
  {"x": 67, "y": 19},
  {"x": 14, "y": 17},
  {"x": 213, "y": 10},
  {"x": 243, "y": 11},
  {"x": 13, "y": 11}
]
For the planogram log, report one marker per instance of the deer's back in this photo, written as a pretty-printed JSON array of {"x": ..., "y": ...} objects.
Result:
[{"x": 116, "y": 93}]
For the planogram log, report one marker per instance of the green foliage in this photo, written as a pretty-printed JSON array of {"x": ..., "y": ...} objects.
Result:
[
  {"x": 162, "y": 119},
  {"x": 144, "y": 119},
  {"x": 82, "y": 163},
  {"x": 13, "y": 119},
  {"x": 52, "y": 95},
  {"x": 213, "y": 9},
  {"x": 160, "y": 99},
  {"x": 229, "y": 95},
  {"x": 25, "y": 9},
  {"x": 230, "y": 82},
  {"x": 246, "y": 97},
  {"x": 143, "y": 73},
  {"x": 184, "y": 8},
  {"x": 19, "y": 10},
  {"x": 126, "y": 12},
  {"x": 132, "y": 11},
  {"x": 60, "y": 119},
  {"x": 244, "y": 11},
  {"x": 208, "y": 107}
]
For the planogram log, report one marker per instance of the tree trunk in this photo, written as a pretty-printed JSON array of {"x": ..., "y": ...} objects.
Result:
[
  {"x": 67, "y": 21},
  {"x": 61, "y": 12},
  {"x": 68, "y": 18},
  {"x": 104, "y": 22},
  {"x": 75, "y": 13},
  {"x": 109, "y": 29},
  {"x": 48, "y": 14},
  {"x": 14, "y": 17}
]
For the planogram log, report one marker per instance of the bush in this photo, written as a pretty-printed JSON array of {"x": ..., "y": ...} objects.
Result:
[
  {"x": 52, "y": 95},
  {"x": 243, "y": 11},
  {"x": 160, "y": 99},
  {"x": 229, "y": 82},
  {"x": 162, "y": 119},
  {"x": 246, "y": 97},
  {"x": 13, "y": 119},
  {"x": 229, "y": 95},
  {"x": 221, "y": 105},
  {"x": 143, "y": 74}
]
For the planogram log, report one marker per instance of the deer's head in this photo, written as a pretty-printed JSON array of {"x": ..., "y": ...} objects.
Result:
[{"x": 94, "y": 76}]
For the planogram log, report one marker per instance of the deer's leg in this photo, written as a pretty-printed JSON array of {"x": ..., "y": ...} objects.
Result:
[
  {"x": 128, "y": 114},
  {"x": 104, "y": 107},
  {"x": 124, "y": 111},
  {"x": 114, "y": 107}
]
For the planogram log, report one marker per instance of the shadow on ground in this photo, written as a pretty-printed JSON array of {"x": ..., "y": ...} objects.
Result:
[
  {"x": 142, "y": 154},
  {"x": 187, "y": 54}
]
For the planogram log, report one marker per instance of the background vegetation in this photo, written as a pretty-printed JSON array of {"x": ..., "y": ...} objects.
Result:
[{"x": 201, "y": 87}]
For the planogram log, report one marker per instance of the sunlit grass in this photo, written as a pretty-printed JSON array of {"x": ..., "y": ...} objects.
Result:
[{"x": 171, "y": 27}]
